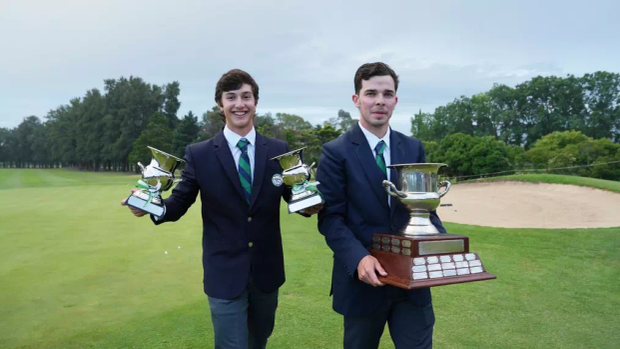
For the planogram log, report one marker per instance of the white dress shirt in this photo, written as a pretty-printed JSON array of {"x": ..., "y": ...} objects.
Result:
[
  {"x": 372, "y": 142},
  {"x": 233, "y": 138}
]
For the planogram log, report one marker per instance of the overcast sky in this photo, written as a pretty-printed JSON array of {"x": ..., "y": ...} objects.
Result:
[{"x": 303, "y": 54}]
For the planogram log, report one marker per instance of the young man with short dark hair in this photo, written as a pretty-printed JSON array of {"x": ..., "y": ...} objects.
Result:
[
  {"x": 242, "y": 246},
  {"x": 351, "y": 171}
]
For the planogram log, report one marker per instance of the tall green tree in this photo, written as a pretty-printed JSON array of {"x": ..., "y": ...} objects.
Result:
[
  {"x": 345, "y": 121},
  {"x": 131, "y": 102},
  {"x": 505, "y": 115},
  {"x": 157, "y": 135},
  {"x": 490, "y": 156},
  {"x": 212, "y": 123},
  {"x": 8, "y": 147},
  {"x": 89, "y": 126},
  {"x": 314, "y": 139},
  {"x": 292, "y": 122},
  {"x": 551, "y": 104},
  {"x": 171, "y": 103},
  {"x": 185, "y": 134},
  {"x": 601, "y": 92},
  {"x": 26, "y": 133},
  {"x": 455, "y": 150},
  {"x": 430, "y": 150},
  {"x": 421, "y": 126},
  {"x": 266, "y": 125},
  {"x": 39, "y": 146}
]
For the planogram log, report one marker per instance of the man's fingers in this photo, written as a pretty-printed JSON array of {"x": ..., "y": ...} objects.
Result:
[
  {"x": 369, "y": 276},
  {"x": 136, "y": 212},
  {"x": 380, "y": 269},
  {"x": 367, "y": 271},
  {"x": 373, "y": 280},
  {"x": 312, "y": 210},
  {"x": 123, "y": 202},
  {"x": 316, "y": 208},
  {"x": 377, "y": 268}
]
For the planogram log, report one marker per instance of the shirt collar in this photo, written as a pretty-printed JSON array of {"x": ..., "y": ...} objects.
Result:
[
  {"x": 374, "y": 140},
  {"x": 233, "y": 138}
]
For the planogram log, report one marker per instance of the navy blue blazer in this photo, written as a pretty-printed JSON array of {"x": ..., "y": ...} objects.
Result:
[
  {"x": 356, "y": 206},
  {"x": 238, "y": 240}
]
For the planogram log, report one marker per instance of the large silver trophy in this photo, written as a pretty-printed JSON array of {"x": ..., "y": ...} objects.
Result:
[
  {"x": 419, "y": 192},
  {"x": 418, "y": 255},
  {"x": 157, "y": 177},
  {"x": 297, "y": 175}
]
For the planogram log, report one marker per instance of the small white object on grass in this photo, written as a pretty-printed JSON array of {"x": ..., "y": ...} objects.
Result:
[
  {"x": 166, "y": 252},
  {"x": 179, "y": 247}
]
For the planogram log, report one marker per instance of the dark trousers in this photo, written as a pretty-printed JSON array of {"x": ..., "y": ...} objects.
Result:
[
  {"x": 245, "y": 322},
  {"x": 411, "y": 327}
]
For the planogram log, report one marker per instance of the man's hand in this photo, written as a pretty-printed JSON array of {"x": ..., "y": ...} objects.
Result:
[
  {"x": 135, "y": 211},
  {"x": 312, "y": 210},
  {"x": 367, "y": 270}
]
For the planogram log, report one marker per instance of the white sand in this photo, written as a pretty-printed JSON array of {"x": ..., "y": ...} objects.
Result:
[{"x": 530, "y": 205}]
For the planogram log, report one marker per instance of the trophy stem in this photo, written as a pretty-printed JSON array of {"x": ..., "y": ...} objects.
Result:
[{"x": 419, "y": 224}]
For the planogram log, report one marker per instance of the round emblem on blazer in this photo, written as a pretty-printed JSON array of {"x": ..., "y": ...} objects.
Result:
[{"x": 277, "y": 180}]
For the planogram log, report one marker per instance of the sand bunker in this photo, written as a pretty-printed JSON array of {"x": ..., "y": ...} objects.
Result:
[{"x": 530, "y": 205}]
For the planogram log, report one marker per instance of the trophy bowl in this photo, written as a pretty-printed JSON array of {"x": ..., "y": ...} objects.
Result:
[
  {"x": 296, "y": 175},
  {"x": 419, "y": 192},
  {"x": 161, "y": 169},
  {"x": 157, "y": 177}
]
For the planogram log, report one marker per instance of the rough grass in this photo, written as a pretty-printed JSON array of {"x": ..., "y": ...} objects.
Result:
[{"x": 78, "y": 271}]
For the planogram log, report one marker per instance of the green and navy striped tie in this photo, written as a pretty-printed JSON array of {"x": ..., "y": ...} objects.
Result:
[
  {"x": 245, "y": 171},
  {"x": 379, "y": 149}
]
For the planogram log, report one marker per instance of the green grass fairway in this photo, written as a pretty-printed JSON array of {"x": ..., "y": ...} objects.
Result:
[
  {"x": 79, "y": 271},
  {"x": 559, "y": 179}
]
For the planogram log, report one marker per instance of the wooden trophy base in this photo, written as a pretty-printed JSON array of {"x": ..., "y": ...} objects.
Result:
[{"x": 427, "y": 260}]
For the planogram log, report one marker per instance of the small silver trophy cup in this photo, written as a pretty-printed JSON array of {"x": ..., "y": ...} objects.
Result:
[
  {"x": 157, "y": 177},
  {"x": 296, "y": 175},
  {"x": 419, "y": 192}
]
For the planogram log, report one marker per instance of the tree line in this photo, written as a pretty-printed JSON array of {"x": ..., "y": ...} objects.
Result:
[
  {"x": 110, "y": 131},
  {"x": 566, "y": 125},
  {"x": 567, "y": 152},
  {"x": 522, "y": 115},
  {"x": 544, "y": 123}
]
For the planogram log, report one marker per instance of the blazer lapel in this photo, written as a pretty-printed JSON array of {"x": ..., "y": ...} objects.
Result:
[
  {"x": 397, "y": 156},
  {"x": 260, "y": 160},
  {"x": 222, "y": 151},
  {"x": 369, "y": 165}
]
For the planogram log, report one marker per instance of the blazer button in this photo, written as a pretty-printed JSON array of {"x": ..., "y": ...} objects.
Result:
[
  {"x": 250, "y": 244},
  {"x": 249, "y": 219}
]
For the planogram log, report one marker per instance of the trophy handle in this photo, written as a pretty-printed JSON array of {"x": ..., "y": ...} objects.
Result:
[
  {"x": 390, "y": 188},
  {"x": 310, "y": 172},
  {"x": 141, "y": 166},
  {"x": 444, "y": 184}
]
